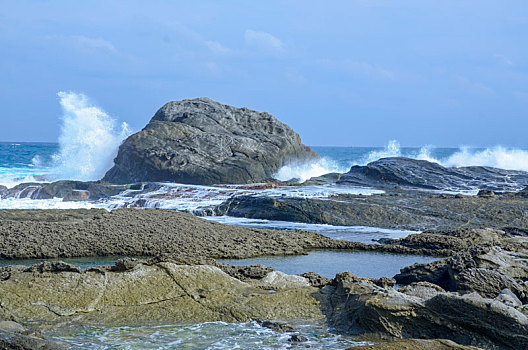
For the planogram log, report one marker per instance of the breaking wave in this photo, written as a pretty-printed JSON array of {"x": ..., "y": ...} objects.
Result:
[
  {"x": 305, "y": 171},
  {"x": 89, "y": 139},
  {"x": 497, "y": 157}
]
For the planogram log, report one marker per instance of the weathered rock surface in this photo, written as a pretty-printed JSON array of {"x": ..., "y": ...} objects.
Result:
[
  {"x": 358, "y": 306},
  {"x": 200, "y": 141},
  {"x": 68, "y": 190},
  {"x": 388, "y": 172},
  {"x": 14, "y": 336},
  {"x": 484, "y": 269},
  {"x": 416, "y": 344},
  {"x": 159, "y": 292},
  {"x": 413, "y": 210},
  {"x": 26, "y": 234}
]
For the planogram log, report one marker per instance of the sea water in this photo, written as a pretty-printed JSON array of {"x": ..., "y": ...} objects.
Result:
[{"x": 209, "y": 335}]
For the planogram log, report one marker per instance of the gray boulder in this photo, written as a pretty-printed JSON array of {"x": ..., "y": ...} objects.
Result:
[
  {"x": 484, "y": 269},
  {"x": 359, "y": 306},
  {"x": 200, "y": 141},
  {"x": 413, "y": 173}
]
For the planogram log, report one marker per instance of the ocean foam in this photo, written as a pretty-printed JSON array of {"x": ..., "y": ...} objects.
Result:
[
  {"x": 55, "y": 203},
  {"x": 497, "y": 157},
  {"x": 305, "y": 171},
  {"x": 89, "y": 139}
]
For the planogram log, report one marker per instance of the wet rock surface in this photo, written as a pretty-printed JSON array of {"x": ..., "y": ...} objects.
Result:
[
  {"x": 484, "y": 269},
  {"x": 403, "y": 209},
  {"x": 168, "y": 292},
  {"x": 200, "y": 141},
  {"x": 67, "y": 190},
  {"x": 476, "y": 296},
  {"x": 413, "y": 173},
  {"x": 416, "y": 344},
  {"x": 14, "y": 336}
]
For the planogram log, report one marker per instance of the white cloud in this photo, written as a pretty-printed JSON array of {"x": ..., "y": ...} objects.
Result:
[
  {"x": 263, "y": 41},
  {"x": 503, "y": 59},
  {"x": 473, "y": 87},
  {"x": 368, "y": 69},
  {"x": 358, "y": 68},
  {"x": 217, "y": 48},
  {"x": 84, "y": 43},
  {"x": 93, "y": 43}
]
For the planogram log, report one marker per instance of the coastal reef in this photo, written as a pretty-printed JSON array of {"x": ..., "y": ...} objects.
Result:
[{"x": 477, "y": 295}]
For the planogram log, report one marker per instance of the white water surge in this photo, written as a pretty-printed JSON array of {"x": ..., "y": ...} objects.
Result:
[
  {"x": 89, "y": 139},
  {"x": 496, "y": 157}
]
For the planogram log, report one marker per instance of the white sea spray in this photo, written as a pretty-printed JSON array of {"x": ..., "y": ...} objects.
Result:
[{"x": 89, "y": 139}]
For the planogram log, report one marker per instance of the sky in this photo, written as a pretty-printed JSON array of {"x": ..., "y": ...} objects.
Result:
[{"x": 341, "y": 73}]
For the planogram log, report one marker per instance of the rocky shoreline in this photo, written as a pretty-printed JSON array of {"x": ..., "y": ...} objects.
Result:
[
  {"x": 476, "y": 296},
  {"x": 396, "y": 208}
]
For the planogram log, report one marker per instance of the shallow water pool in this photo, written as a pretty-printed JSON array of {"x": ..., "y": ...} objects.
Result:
[
  {"x": 328, "y": 263},
  {"x": 209, "y": 335}
]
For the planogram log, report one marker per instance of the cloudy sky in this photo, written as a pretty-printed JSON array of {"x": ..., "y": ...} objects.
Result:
[{"x": 345, "y": 73}]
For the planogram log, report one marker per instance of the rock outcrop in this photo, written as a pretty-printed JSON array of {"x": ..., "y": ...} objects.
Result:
[
  {"x": 200, "y": 141},
  {"x": 483, "y": 269},
  {"x": 167, "y": 292},
  {"x": 411, "y": 210},
  {"x": 359, "y": 306},
  {"x": 413, "y": 173},
  {"x": 67, "y": 190},
  {"x": 162, "y": 291},
  {"x": 30, "y": 234},
  {"x": 150, "y": 292}
]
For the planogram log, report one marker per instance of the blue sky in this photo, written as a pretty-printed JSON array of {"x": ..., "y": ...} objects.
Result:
[{"x": 346, "y": 73}]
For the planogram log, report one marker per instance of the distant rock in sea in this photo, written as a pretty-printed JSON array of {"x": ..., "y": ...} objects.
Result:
[
  {"x": 413, "y": 173},
  {"x": 200, "y": 141}
]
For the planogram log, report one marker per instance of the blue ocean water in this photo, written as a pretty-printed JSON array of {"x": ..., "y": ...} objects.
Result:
[{"x": 20, "y": 162}]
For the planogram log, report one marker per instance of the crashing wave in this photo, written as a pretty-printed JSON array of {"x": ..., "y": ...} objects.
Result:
[{"x": 89, "y": 139}]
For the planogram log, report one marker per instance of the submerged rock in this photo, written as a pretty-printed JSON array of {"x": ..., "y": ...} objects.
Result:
[
  {"x": 67, "y": 190},
  {"x": 407, "y": 172},
  {"x": 416, "y": 344},
  {"x": 200, "y": 141}
]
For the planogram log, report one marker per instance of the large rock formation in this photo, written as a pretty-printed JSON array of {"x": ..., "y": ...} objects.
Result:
[
  {"x": 200, "y": 141},
  {"x": 157, "y": 291},
  {"x": 162, "y": 292},
  {"x": 388, "y": 172},
  {"x": 483, "y": 269},
  {"x": 359, "y": 306}
]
